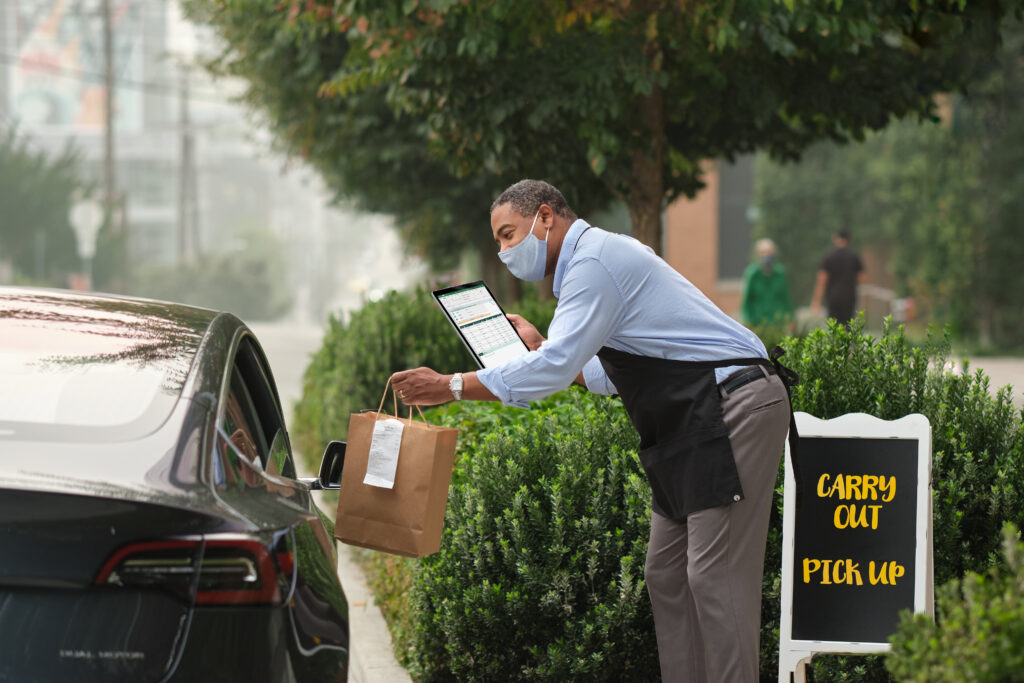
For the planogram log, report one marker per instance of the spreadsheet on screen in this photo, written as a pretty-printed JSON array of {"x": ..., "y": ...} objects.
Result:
[{"x": 484, "y": 327}]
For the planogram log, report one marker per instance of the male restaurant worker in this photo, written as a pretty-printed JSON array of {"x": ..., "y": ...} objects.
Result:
[{"x": 711, "y": 410}]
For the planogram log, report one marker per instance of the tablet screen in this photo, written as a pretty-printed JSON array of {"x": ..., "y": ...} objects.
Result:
[{"x": 481, "y": 323}]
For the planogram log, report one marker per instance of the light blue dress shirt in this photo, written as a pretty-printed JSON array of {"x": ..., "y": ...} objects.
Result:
[{"x": 615, "y": 291}]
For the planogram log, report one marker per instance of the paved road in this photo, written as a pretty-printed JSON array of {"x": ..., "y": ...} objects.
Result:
[{"x": 289, "y": 348}]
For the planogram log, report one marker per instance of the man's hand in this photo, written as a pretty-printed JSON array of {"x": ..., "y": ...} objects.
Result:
[
  {"x": 527, "y": 331},
  {"x": 421, "y": 387}
]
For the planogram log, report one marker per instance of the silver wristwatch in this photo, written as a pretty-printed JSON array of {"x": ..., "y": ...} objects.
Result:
[{"x": 455, "y": 384}]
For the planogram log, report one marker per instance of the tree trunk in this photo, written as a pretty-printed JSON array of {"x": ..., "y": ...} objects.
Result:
[
  {"x": 489, "y": 268},
  {"x": 647, "y": 191}
]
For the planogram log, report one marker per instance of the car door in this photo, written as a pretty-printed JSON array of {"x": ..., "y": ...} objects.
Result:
[{"x": 259, "y": 480}]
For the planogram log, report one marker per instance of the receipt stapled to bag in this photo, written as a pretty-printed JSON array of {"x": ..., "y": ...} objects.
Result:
[{"x": 383, "y": 460}]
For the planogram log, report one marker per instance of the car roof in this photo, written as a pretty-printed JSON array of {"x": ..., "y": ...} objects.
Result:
[{"x": 104, "y": 380}]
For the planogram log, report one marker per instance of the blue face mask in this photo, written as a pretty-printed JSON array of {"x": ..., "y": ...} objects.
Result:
[{"x": 527, "y": 260}]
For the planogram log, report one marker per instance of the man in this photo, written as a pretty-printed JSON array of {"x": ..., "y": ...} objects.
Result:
[
  {"x": 766, "y": 299},
  {"x": 710, "y": 408},
  {"x": 840, "y": 271}
]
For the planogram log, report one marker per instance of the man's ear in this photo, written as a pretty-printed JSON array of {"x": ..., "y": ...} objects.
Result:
[{"x": 546, "y": 214}]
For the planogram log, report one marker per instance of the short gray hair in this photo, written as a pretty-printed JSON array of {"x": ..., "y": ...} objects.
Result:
[{"x": 527, "y": 195}]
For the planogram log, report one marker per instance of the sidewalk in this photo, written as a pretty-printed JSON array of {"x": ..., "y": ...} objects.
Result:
[
  {"x": 370, "y": 657},
  {"x": 1002, "y": 371}
]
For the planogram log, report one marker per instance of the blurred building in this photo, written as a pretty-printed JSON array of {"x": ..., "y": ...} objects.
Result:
[
  {"x": 194, "y": 173},
  {"x": 708, "y": 238}
]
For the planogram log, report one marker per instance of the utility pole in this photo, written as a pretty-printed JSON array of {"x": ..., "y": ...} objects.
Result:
[
  {"x": 110, "y": 198},
  {"x": 109, "y": 187},
  {"x": 184, "y": 169},
  {"x": 188, "y": 190}
]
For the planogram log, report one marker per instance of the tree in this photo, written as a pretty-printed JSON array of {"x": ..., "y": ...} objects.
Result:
[
  {"x": 943, "y": 200},
  {"x": 636, "y": 93},
  {"x": 35, "y": 196},
  {"x": 364, "y": 150}
]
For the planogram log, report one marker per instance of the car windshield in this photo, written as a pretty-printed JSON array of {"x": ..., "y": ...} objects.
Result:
[{"x": 81, "y": 367}]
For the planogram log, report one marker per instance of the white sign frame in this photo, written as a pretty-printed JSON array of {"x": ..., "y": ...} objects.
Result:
[{"x": 795, "y": 655}]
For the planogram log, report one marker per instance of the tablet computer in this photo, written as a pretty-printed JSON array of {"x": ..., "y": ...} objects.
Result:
[{"x": 481, "y": 323}]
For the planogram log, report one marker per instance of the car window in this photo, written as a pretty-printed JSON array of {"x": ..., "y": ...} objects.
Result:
[
  {"x": 280, "y": 456},
  {"x": 253, "y": 412},
  {"x": 242, "y": 450},
  {"x": 241, "y": 422},
  {"x": 233, "y": 467}
]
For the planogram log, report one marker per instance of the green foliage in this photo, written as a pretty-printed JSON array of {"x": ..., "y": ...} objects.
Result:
[
  {"x": 979, "y": 633},
  {"x": 398, "y": 332},
  {"x": 638, "y": 94},
  {"x": 364, "y": 151},
  {"x": 540, "y": 573},
  {"x": 35, "y": 198},
  {"x": 940, "y": 201},
  {"x": 424, "y": 108},
  {"x": 252, "y": 283}
]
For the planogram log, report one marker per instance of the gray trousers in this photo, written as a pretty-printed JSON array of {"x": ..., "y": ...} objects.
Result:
[{"x": 704, "y": 574}]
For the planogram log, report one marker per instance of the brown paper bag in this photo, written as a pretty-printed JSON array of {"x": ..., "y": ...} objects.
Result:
[{"x": 407, "y": 519}]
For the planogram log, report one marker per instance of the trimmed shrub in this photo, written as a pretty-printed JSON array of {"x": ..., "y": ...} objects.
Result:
[
  {"x": 979, "y": 635},
  {"x": 398, "y": 332},
  {"x": 540, "y": 573}
]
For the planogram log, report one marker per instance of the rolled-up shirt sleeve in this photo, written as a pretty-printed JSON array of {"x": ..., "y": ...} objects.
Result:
[
  {"x": 596, "y": 378},
  {"x": 589, "y": 310}
]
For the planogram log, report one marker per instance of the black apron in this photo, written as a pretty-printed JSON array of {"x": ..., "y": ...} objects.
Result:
[{"x": 684, "y": 442}]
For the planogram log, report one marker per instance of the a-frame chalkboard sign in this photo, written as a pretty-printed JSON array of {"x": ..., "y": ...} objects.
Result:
[{"x": 857, "y": 549}]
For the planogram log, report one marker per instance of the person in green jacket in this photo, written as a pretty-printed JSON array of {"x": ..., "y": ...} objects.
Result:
[{"x": 766, "y": 299}]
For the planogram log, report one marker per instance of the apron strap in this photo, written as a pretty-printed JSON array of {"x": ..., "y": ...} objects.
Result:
[{"x": 789, "y": 379}]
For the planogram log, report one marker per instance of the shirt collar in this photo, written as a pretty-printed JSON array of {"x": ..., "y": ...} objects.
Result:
[{"x": 566, "y": 252}]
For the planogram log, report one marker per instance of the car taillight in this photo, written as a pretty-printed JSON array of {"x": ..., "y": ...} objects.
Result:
[{"x": 220, "y": 571}]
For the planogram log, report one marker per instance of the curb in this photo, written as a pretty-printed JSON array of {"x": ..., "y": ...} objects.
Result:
[{"x": 371, "y": 659}]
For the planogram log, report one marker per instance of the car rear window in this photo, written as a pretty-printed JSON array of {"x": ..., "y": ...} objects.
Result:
[{"x": 85, "y": 367}]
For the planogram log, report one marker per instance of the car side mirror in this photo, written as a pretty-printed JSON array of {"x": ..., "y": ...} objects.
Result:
[{"x": 331, "y": 466}]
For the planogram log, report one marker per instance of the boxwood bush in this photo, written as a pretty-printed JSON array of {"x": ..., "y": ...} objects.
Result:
[
  {"x": 979, "y": 635},
  {"x": 540, "y": 575}
]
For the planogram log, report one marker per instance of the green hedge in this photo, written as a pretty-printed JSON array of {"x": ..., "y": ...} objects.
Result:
[
  {"x": 540, "y": 572},
  {"x": 979, "y": 635}
]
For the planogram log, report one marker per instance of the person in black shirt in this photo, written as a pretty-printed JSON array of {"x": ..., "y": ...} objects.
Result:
[{"x": 838, "y": 275}]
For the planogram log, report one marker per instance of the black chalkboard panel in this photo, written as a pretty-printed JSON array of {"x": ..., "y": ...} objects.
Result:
[{"x": 854, "y": 538}]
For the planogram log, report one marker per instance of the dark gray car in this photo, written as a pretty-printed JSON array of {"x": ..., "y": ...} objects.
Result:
[{"x": 152, "y": 526}]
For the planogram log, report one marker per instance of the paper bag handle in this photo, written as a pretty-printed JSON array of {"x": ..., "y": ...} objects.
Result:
[{"x": 395, "y": 397}]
